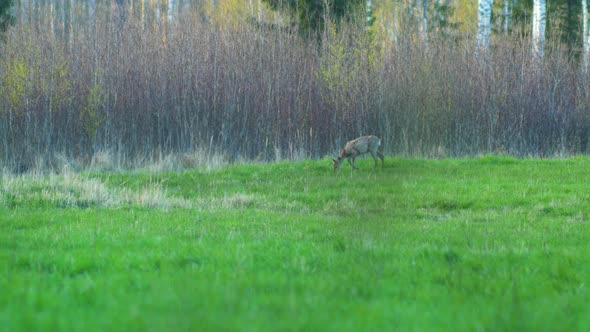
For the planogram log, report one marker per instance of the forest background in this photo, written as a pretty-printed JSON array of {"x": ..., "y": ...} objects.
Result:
[{"x": 128, "y": 83}]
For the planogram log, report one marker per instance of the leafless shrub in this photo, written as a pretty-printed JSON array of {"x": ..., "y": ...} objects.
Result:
[{"x": 188, "y": 93}]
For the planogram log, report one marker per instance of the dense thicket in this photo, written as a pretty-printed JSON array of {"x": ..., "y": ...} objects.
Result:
[{"x": 247, "y": 91}]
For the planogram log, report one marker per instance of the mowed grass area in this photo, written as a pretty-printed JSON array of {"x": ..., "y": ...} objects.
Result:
[{"x": 483, "y": 244}]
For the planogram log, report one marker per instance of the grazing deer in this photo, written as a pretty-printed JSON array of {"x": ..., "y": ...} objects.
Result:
[{"x": 357, "y": 147}]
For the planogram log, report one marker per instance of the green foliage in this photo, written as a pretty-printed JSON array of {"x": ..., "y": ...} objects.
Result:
[
  {"x": 334, "y": 62},
  {"x": 348, "y": 64},
  {"x": 91, "y": 116},
  {"x": 6, "y": 17},
  {"x": 494, "y": 243},
  {"x": 29, "y": 77},
  {"x": 312, "y": 13},
  {"x": 57, "y": 85},
  {"x": 14, "y": 82}
]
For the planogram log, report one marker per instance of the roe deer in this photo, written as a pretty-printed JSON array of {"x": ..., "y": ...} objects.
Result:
[{"x": 357, "y": 147}]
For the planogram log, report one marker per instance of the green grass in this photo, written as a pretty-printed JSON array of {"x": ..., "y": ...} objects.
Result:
[{"x": 484, "y": 244}]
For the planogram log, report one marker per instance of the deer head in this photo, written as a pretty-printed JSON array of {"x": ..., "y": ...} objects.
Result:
[{"x": 336, "y": 163}]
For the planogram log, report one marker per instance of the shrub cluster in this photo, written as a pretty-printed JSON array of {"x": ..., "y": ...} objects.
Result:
[{"x": 142, "y": 92}]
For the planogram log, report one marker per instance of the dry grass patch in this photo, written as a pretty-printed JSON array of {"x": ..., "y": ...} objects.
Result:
[{"x": 70, "y": 189}]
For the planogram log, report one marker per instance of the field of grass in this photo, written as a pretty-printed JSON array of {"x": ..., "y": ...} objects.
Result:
[{"x": 482, "y": 244}]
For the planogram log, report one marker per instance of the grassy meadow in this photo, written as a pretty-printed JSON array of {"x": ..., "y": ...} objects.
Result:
[{"x": 477, "y": 244}]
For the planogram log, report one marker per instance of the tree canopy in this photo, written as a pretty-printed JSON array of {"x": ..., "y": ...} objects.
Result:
[
  {"x": 311, "y": 13},
  {"x": 6, "y": 17}
]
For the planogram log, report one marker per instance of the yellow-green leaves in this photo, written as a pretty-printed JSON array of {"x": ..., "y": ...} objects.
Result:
[
  {"x": 91, "y": 116},
  {"x": 57, "y": 85},
  {"x": 14, "y": 82},
  {"x": 347, "y": 65},
  {"x": 34, "y": 74}
]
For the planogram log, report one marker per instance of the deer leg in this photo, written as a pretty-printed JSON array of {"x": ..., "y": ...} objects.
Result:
[
  {"x": 380, "y": 155},
  {"x": 374, "y": 159}
]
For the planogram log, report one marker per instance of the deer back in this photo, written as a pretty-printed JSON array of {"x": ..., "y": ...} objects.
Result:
[{"x": 360, "y": 146}]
